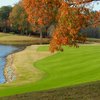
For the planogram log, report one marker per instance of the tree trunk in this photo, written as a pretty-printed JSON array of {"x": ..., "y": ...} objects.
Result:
[
  {"x": 5, "y": 30},
  {"x": 41, "y": 37},
  {"x": 26, "y": 33}
]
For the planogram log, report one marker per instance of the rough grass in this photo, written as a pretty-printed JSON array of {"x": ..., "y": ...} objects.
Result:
[
  {"x": 12, "y": 37},
  {"x": 72, "y": 67},
  {"x": 6, "y": 38}
]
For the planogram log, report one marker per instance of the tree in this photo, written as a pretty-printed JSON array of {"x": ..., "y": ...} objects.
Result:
[
  {"x": 70, "y": 17},
  {"x": 95, "y": 18},
  {"x": 18, "y": 19},
  {"x": 41, "y": 13},
  {"x": 4, "y": 15}
]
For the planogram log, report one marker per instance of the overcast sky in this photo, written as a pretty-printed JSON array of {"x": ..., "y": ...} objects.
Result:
[
  {"x": 96, "y": 5},
  {"x": 8, "y": 2},
  {"x": 12, "y": 2}
]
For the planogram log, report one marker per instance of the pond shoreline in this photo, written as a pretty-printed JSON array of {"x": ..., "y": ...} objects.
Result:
[
  {"x": 9, "y": 69},
  {"x": 22, "y": 66}
]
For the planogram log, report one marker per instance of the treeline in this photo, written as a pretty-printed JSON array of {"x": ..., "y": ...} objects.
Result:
[
  {"x": 91, "y": 32},
  {"x": 15, "y": 20}
]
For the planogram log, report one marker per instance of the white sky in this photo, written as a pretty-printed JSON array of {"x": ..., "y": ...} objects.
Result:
[
  {"x": 12, "y": 2},
  {"x": 8, "y": 2},
  {"x": 96, "y": 5}
]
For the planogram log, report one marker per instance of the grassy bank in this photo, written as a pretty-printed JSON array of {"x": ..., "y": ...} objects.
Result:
[
  {"x": 6, "y": 38},
  {"x": 26, "y": 73}
]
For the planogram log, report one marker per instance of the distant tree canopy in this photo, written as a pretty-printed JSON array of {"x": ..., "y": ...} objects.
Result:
[
  {"x": 93, "y": 30},
  {"x": 4, "y": 17},
  {"x": 4, "y": 12},
  {"x": 18, "y": 20}
]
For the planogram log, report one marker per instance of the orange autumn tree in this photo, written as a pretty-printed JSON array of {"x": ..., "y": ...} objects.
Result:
[
  {"x": 70, "y": 17},
  {"x": 70, "y": 21},
  {"x": 95, "y": 18},
  {"x": 41, "y": 13}
]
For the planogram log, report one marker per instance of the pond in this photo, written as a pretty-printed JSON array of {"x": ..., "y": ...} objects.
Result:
[{"x": 5, "y": 50}]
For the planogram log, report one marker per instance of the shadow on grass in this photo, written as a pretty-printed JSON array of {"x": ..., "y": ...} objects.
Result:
[{"x": 89, "y": 91}]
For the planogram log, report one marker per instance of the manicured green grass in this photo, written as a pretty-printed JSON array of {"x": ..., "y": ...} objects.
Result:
[
  {"x": 68, "y": 68},
  {"x": 43, "y": 48},
  {"x": 73, "y": 66}
]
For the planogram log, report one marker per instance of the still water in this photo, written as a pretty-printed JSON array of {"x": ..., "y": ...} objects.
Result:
[{"x": 4, "y": 51}]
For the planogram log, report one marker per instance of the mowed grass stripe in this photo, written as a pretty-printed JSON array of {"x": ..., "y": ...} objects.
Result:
[
  {"x": 76, "y": 62},
  {"x": 73, "y": 66}
]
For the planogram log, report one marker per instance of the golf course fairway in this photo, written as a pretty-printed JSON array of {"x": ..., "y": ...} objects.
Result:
[{"x": 71, "y": 67}]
